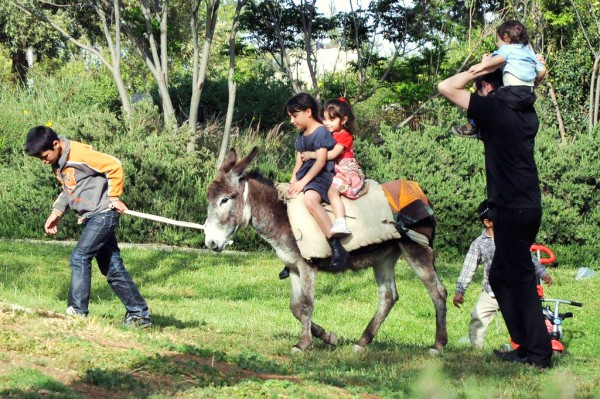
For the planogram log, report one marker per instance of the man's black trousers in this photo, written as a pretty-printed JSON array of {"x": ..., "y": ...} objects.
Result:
[{"x": 512, "y": 278}]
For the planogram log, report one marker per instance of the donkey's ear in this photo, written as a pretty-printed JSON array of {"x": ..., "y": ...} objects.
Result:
[
  {"x": 228, "y": 162},
  {"x": 243, "y": 164}
]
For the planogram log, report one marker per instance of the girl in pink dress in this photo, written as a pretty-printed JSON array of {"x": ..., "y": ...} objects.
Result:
[{"x": 349, "y": 178}]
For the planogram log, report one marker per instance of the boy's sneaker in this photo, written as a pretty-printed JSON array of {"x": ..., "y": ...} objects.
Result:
[
  {"x": 72, "y": 312},
  {"x": 465, "y": 131},
  {"x": 136, "y": 321},
  {"x": 340, "y": 228}
]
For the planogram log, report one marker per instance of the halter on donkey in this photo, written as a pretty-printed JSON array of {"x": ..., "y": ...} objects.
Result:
[{"x": 237, "y": 199}]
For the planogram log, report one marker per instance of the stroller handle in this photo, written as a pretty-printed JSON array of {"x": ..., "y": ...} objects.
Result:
[
  {"x": 565, "y": 301},
  {"x": 541, "y": 248}
]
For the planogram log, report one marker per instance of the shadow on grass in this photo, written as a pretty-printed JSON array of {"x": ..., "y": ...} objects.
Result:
[
  {"x": 157, "y": 268},
  {"x": 388, "y": 368},
  {"x": 168, "y": 321},
  {"x": 182, "y": 368},
  {"x": 185, "y": 367}
]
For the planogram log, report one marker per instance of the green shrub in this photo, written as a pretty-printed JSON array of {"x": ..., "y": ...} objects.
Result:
[
  {"x": 452, "y": 172},
  {"x": 163, "y": 177},
  {"x": 449, "y": 170},
  {"x": 260, "y": 98},
  {"x": 570, "y": 188}
]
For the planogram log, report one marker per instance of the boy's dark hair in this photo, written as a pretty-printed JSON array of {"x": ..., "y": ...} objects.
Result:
[
  {"x": 339, "y": 108},
  {"x": 493, "y": 78},
  {"x": 516, "y": 32},
  {"x": 302, "y": 102},
  {"x": 39, "y": 139},
  {"x": 483, "y": 211}
]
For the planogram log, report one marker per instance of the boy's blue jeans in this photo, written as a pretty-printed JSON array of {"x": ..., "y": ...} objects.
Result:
[{"x": 98, "y": 240}]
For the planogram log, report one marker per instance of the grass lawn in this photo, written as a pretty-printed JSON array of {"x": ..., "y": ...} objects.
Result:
[{"x": 222, "y": 329}]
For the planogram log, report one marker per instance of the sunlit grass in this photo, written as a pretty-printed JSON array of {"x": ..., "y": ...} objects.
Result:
[{"x": 230, "y": 310}]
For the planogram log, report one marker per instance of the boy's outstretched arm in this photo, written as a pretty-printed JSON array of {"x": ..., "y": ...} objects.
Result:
[
  {"x": 118, "y": 205},
  {"x": 51, "y": 225}
]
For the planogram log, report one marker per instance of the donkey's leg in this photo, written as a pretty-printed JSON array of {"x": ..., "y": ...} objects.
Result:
[
  {"x": 298, "y": 310},
  {"x": 301, "y": 305},
  {"x": 388, "y": 296},
  {"x": 302, "y": 301},
  {"x": 422, "y": 261}
]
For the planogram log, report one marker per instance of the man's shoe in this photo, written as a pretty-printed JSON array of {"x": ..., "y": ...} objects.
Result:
[
  {"x": 136, "y": 321},
  {"x": 284, "y": 273},
  {"x": 465, "y": 131},
  {"x": 541, "y": 366},
  {"x": 510, "y": 356}
]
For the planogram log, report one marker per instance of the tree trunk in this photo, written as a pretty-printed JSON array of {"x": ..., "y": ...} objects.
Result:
[
  {"x": 307, "y": 26},
  {"x": 212, "y": 8},
  {"x": 195, "y": 100},
  {"x": 157, "y": 63},
  {"x": 230, "y": 84},
  {"x": 561, "y": 124},
  {"x": 596, "y": 98},
  {"x": 115, "y": 52},
  {"x": 19, "y": 65},
  {"x": 163, "y": 42},
  {"x": 593, "y": 116},
  {"x": 285, "y": 59},
  {"x": 114, "y": 64}
]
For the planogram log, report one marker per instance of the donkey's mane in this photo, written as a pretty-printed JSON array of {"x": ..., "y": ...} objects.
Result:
[{"x": 255, "y": 174}]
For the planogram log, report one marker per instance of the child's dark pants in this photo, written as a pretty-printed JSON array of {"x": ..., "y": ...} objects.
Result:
[{"x": 98, "y": 240}]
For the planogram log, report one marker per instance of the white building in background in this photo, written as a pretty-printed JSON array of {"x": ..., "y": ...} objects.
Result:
[{"x": 329, "y": 60}]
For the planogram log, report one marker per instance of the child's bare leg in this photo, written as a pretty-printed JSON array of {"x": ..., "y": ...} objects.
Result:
[
  {"x": 312, "y": 200},
  {"x": 335, "y": 200},
  {"x": 340, "y": 227}
]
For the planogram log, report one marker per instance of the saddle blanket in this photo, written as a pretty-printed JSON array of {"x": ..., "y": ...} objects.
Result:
[
  {"x": 369, "y": 217},
  {"x": 409, "y": 203}
]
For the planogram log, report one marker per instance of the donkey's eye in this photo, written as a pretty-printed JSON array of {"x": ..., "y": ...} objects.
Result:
[{"x": 224, "y": 200}]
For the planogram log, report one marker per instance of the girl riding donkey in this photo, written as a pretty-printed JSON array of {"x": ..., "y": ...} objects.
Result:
[
  {"x": 349, "y": 178},
  {"x": 314, "y": 176}
]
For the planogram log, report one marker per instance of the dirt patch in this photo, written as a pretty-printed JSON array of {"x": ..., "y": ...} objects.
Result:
[{"x": 60, "y": 347}]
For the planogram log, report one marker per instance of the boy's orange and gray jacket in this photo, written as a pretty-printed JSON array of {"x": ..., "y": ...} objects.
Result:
[{"x": 90, "y": 179}]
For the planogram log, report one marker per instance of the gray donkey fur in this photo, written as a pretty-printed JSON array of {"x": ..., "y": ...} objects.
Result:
[{"x": 237, "y": 199}]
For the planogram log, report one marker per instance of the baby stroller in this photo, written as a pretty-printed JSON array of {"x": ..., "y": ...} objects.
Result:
[{"x": 554, "y": 319}]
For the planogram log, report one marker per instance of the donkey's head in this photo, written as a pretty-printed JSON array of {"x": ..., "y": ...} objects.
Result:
[{"x": 228, "y": 206}]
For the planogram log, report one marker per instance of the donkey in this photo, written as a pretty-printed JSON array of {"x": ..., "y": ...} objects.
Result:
[{"x": 237, "y": 198}]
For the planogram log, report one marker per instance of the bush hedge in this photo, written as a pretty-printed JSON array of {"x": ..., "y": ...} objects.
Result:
[{"x": 164, "y": 178}]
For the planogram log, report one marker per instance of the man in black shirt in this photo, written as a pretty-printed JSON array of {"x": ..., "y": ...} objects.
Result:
[{"x": 508, "y": 125}]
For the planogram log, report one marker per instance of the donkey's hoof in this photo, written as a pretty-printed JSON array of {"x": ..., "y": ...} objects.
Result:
[
  {"x": 333, "y": 339},
  {"x": 358, "y": 349},
  {"x": 434, "y": 352},
  {"x": 296, "y": 350}
]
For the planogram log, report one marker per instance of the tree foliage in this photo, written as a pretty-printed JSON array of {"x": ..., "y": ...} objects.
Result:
[
  {"x": 21, "y": 33},
  {"x": 392, "y": 88}
]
